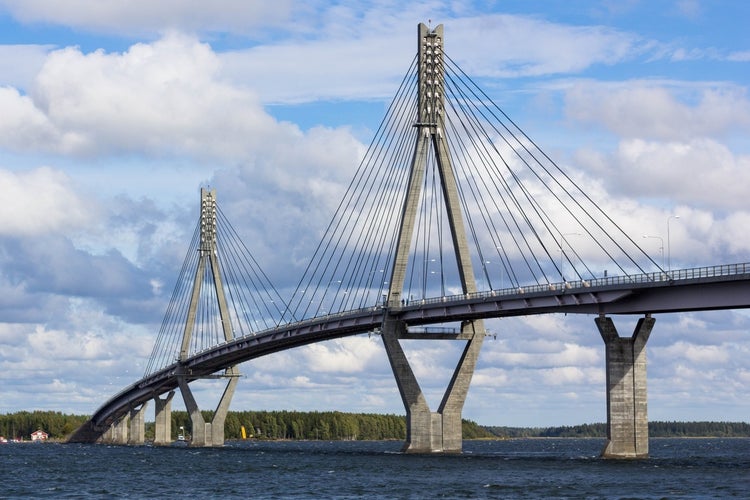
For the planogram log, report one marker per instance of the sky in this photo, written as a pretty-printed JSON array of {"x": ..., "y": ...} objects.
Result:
[{"x": 114, "y": 114}]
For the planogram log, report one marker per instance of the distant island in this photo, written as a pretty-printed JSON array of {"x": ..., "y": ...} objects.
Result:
[{"x": 336, "y": 425}]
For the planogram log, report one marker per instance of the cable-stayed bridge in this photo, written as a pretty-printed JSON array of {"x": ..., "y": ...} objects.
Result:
[{"x": 453, "y": 216}]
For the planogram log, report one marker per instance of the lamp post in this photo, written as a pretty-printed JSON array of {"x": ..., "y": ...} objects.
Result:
[
  {"x": 661, "y": 248},
  {"x": 501, "y": 273},
  {"x": 669, "y": 246}
]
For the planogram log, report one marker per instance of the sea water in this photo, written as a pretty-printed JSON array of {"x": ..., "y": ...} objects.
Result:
[{"x": 516, "y": 468}]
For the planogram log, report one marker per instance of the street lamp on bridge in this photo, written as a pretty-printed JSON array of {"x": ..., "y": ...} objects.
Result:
[
  {"x": 488, "y": 274},
  {"x": 562, "y": 252},
  {"x": 669, "y": 247},
  {"x": 661, "y": 248}
]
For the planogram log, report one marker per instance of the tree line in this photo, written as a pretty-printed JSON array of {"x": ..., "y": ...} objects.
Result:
[
  {"x": 334, "y": 425},
  {"x": 331, "y": 425},
  {"x": 21, "y": 424},
  {"x": 655, "y": 429}
]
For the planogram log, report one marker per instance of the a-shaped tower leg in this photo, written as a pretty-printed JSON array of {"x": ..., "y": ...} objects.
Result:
[
  {"x": 428, "y": 431},
  {"x": 209, "y": 433}
]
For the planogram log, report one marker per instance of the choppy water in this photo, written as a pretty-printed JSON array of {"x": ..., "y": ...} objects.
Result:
[{"x": 523, "y": 468}]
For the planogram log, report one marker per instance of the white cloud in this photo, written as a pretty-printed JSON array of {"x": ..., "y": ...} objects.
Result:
[
  {"x": 739, "y": 56},
  {"x": 159, "y": 99},
  {"x": 565, "y": 375},
  {"x": 706, "y": 355},
  {"x": 491, "y": 377},
  {"x": 662, "y": 110},
  {"x": 19, "y": 64},
  {"x": 512, "y": 46},
  {"x": 347, "y": 355},
  {"x": 486, "y": 46},
  {"x": 24, "y": 127},
  {"x": 42, "y": 200},
  {"x": 701, "y": 171},
  {"x": 542, "y": 354},
  {"x": 142, "y": 17}
]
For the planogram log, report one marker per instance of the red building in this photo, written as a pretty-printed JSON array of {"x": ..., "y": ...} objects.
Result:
[{"x": 39, "y": 435}]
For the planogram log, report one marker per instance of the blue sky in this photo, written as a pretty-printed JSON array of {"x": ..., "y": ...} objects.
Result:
[{"x": 114, "y": 114}]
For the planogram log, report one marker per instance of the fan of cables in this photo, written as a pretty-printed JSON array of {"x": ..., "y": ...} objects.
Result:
[
  {"x": 253, "y": 304},
  {"x": 526, "y": 219}
]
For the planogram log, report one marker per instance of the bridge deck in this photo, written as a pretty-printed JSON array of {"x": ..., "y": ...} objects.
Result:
[{"x": 705, "y": 288}]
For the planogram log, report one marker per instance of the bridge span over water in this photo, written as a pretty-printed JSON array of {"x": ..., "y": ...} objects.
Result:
[{"x": 449, "y": 188}]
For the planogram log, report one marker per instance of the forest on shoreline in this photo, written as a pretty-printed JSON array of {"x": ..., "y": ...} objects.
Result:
[{"x": 336, "y": 425}]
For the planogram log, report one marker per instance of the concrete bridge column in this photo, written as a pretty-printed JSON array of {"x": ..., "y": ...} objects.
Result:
[
  {"x": 163, "y": 419},
  {"x": 204, "y": 433},
  {"x": 627, "y": 409},
  {"x": 452, "y": 405},
  {"x": 427, "y": 431},
  {"x": 421, "y": 437},
  {"x": 137, "y": 425},
  {"x": 117, "y": 432}
]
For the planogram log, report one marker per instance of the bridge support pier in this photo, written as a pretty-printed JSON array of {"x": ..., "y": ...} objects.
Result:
[
  {"x": 163, "y": 420},
  {"x": 627, "y": 415},
  {"x": 209, "y": 433},
  {"x": 137, "y": 426},
  {"x": 118, "y": 431},
  {"x": 427, "y": 431}
]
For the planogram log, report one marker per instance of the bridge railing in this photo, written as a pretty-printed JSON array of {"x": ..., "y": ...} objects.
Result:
[
  {"x": 564, "y": 286},
  {"x": 656, "y": 277}
]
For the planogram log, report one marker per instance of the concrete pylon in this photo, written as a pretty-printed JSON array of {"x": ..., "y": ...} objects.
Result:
[
  {"x": 137, "y": 425},
  {"x": 427, "y": 431},
  {"x": 118, "y": 431},
  {"x": 163, "y": 419},
  {"x": 627, "y": 406},
  {"x": 203, "y": 433}
]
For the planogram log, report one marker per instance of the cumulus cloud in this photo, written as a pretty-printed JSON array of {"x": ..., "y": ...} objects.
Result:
[
  {"x": 701, "y": 170},
  {"x": 161, "y": 99},
  {"x": 348, "y": 355},
  {"x": 42, "y": 201},
  {"x": 166, "y": 102},
  {"x": 19, "y": 64},
  {"x": 672, "y": 153},
  {"x": 542, "y": 354},
  {"x": 660, "y": 110},
  {"x": 698, "y": 354}
]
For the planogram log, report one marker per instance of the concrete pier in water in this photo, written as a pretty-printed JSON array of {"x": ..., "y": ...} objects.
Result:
[{"x": 627, "y": 407}]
